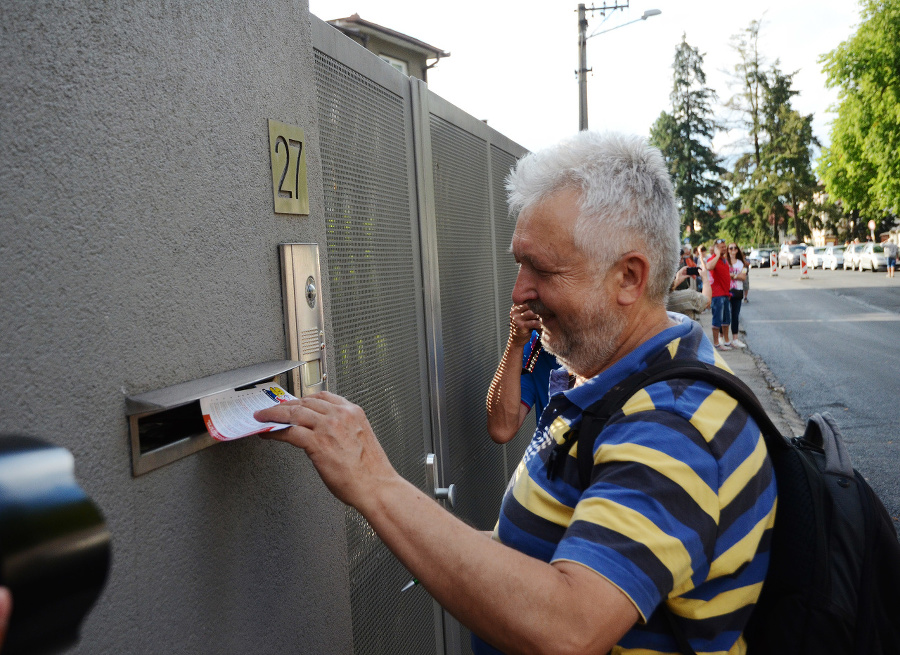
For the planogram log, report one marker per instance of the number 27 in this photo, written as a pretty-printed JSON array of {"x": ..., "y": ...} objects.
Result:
[{"x": 288, "y": 146}]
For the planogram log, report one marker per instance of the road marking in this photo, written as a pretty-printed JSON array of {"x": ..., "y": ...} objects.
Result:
[{"x": 861, "y": 318}]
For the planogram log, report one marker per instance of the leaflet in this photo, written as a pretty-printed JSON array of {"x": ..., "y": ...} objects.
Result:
[{"x": 229, "y": 415}]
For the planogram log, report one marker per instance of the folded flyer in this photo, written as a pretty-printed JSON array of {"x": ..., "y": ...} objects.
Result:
[{"x": 229, "y": 415}]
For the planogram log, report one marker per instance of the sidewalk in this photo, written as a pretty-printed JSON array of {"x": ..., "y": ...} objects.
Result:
[{"x": 756, "y": 375}]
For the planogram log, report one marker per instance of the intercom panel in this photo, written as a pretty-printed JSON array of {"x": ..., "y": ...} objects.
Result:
[{"x": 304, "y": 318}]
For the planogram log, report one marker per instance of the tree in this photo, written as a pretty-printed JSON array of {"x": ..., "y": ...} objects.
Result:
[
  {"x": 748, "y": 204},
  {"x": 861, "y": 166},
  {"x": 685, "y": 138},
  {"x": 750, "y": 79},
  {"x": 786, "y": 172},
  {"x": 773, "y": 178}
]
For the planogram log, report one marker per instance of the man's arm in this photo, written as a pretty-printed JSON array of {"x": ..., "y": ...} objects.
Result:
[
  {"x": 517, "y": 603},
  {"x": 505, "y": 411},
  {"x": 707, "y": 286}
]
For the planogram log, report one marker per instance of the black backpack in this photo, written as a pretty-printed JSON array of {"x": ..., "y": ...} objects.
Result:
[{"x": 833, "y": 584}]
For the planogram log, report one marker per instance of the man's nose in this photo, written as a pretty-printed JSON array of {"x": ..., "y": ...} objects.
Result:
[{"x": 523, "y": 289}]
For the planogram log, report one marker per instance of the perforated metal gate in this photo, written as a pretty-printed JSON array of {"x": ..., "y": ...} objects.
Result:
[
  {"x": 377, "y": 323},
  {"x": 419, "y": 279}
]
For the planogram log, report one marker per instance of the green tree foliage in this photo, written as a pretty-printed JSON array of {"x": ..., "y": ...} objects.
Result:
[
  {"x": 749, "y": 77},
  {"x": 772, "y": 179},
  {"x": 685, "y": 138},
  {"x": 786, "y": 172},
  {"x": 748, "y": 214},
  {"x": 862, "y": 165}
]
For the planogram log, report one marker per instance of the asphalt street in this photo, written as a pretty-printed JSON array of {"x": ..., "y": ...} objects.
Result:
[{"x": 832, "y": 341}]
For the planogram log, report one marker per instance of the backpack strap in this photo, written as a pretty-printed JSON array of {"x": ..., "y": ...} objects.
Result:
[{"x": 595, "y": 417}]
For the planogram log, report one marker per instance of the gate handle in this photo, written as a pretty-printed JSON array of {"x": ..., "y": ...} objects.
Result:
[
  {"x": 446, "y": 493},
  {"x": 439, "y": 493}
]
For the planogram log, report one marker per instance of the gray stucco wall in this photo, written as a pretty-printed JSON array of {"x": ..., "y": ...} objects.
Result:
[{"x": 138, "y": 249}]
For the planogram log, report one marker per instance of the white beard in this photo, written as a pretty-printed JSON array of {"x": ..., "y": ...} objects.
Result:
[{"x": 587, "y": 342}]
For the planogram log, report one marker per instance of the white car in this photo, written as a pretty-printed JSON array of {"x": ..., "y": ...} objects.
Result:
[
  {"x": 851, "y": 255},
  {"x": 833, "y": 257},
  {"x": 872, "y": 257},
  {"x": 814, "y": 256}
]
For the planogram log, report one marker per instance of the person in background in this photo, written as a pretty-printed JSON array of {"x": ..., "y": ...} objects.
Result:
[
  {"x": 747, "y": 284},
  {"x": 890, "y": 252},
  {"x": 702, "y": 280},
  {"x": 687, "y": 301},
  {"x": 522, "y": 378},
  {"x": 720, "y": 280},
  {"x": 685, "y": 261},
  {"x": 737, "y": 266}
]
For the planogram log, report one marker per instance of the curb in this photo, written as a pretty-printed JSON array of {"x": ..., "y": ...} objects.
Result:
[{"x": 751, "y": 368}]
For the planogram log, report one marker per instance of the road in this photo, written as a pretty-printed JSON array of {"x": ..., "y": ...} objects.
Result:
[{"x": 833, "y": 341}]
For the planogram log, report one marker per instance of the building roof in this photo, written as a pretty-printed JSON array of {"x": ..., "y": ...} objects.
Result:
[{"x": 356, "y": 26}]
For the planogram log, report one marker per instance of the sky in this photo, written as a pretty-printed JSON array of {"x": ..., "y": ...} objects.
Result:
[{"x": 513, "y": 63}]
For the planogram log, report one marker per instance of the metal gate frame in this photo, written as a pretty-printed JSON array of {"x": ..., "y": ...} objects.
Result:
[
  {"x": 420, "y": 107},
  {"x": 427, "y": 105}
]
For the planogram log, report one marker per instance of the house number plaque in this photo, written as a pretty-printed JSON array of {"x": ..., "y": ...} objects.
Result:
[{"x": 287, "y": 150}]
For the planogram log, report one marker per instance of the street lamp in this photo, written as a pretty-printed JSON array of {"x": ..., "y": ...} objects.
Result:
[{"x": 582, "y": 53}]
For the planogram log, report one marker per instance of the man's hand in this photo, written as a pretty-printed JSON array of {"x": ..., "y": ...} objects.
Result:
[
  {"x": 680, "y": 277},
  {"x": 339, "y": 441},
  {"x": 521, "y": 323}
]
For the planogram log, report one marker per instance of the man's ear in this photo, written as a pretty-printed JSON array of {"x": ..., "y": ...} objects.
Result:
[{"x": 632, "y": 275}]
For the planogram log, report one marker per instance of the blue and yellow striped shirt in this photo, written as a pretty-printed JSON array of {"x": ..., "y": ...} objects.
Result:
[{"x": 680, "y": 507}]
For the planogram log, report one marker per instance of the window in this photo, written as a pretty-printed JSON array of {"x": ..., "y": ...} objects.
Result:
[{"x": 399, "y": 64}]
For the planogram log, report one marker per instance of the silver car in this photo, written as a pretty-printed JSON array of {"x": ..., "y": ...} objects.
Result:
[
  {"x": 872, "y": 257},
  {"x": 759, "y": 257},
  {"x": 790, "y": 255},
  {"x": 851, "y": 253},
  {"x": 833, "y": 257}
]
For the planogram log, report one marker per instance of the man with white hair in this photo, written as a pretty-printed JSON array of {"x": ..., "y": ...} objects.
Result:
[{"x": 681, "y": 501}]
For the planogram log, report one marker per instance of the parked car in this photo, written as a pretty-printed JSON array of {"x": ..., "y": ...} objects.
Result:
[
  {"x": 851, "y": 253},
  {"x": 872, "y": 257},
  {"x": 814, "y": 256},
  {"x": 759, "y": 257},
  {"x": 790, "y": 254},
  {"x": 833, "y": 257}
]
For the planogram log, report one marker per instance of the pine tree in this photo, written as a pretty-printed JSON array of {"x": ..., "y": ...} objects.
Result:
[
  {"x": 772, "y": 179},
  {"x": 786, "y": 157},
  {"x": 685, "y": 138}
]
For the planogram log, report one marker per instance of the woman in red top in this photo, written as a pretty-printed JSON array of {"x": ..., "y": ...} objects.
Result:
[{"x": 720, "y": 278}]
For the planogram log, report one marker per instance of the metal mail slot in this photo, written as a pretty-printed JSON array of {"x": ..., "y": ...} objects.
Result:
[{"x": 167, "y": 424}]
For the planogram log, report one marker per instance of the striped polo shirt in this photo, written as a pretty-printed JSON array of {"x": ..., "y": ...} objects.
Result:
[{"x": 680, "y": 507}]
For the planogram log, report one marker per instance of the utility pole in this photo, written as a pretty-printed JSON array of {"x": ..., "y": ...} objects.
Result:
[
  {"x": 583, "y": 70},
  {"x": 583, "y": 37}
]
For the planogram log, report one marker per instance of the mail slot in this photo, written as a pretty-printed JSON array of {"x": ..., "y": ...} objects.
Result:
[{"x": 167, "y": 424}]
